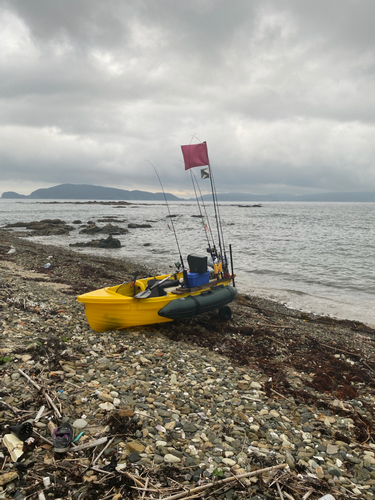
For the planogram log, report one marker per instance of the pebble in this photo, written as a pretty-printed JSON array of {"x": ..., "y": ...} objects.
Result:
[
  {"x": 171, "y": 459},
  {"x": 80, "y": 423}
]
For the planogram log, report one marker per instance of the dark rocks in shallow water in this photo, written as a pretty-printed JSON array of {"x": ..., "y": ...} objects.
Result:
[
  {"x": 91, "y": 228},
  {"x": 45, "y": 227},
  {"x": 111, "y": 219},
  {"x": 107, "y": 229},
  {"x": 111, "y": 229},
  {"x": 134, "y": 226},
  {"x": 109, "y": 242},
  {"x": 77, "y": 222}
]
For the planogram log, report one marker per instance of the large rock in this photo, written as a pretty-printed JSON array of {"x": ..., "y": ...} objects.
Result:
[
  {"x": 131, "y": 225},
  {"x": 107, "y": 229},
  {"x": 109, "y": 242}
]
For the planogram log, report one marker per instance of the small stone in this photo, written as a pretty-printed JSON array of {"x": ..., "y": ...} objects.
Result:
[
  {"x": 125, "y": 413},
  {"x": 8, "y": 477},
  {"x": 190, "y": 427},
  {"x": 171, "y": 459},
  {"x": 334, "y": 471},
  {"x": 135, "y": 446},
  {"x": 107, "y": 406},
  {"x": 134, "y": 457},
  {"x": 229, "y": 461},
  {"x": 170, "y": 425},
  {"x": 104, "y": 396},
  {"x": 332, "y": 449},
  {"x": 80, "y": 423}
]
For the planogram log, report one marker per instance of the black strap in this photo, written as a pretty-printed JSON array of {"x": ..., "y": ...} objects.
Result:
[{"x": 197, "y": 304}]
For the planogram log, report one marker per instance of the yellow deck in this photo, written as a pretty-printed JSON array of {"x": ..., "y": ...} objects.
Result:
[{"x": 114, "y": 308}]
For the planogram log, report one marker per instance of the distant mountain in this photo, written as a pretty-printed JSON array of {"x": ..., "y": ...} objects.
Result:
[
  {"x": 333, "y": 197},
  {"x": 88, "y": 192}
]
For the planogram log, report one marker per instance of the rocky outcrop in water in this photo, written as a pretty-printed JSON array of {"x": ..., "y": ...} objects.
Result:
[
  {"x": 109, "y": 242},
  {"x": 135, "y": 226},
  {"x": 92, "y": 228},
  {"x": 45, "y": 227}
]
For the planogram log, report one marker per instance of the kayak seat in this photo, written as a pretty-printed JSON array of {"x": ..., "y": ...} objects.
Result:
[
  {"x": 166, "y": 284},
  {"x": 157, "y": 291}
]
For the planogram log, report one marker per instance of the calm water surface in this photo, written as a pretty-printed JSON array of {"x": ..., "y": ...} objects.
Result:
[{"x": 317, "y": 257}]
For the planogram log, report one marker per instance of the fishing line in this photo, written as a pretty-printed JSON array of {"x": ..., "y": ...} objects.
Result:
[
  {"x": 195, "y": 184},
  {"x": 170, "y": 215}
]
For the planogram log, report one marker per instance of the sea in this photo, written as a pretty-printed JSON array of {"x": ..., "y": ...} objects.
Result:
[{"x": 315, "y": 257}]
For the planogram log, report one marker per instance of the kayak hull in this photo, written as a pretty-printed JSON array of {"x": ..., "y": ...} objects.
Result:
[
  {"x": 192, "y": 305},
  {"x": 115, "y": 308}
]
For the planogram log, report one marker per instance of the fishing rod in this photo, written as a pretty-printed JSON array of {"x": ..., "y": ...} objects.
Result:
[
  {"x": 210, "y": 249},
  {"x": 174, "y": 230},
  {"x": 196, "y": 185},
  {"x": 218, "y": 222},
  {"x": 200, "y": 158}
]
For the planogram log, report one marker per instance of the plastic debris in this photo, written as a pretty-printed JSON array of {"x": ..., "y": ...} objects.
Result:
[
  {"x": 79, "y": 435},
  {"x": 22, "y": 431},
  {"x": 47, "y": 266},
  {"x": 46, "y": 482},
  {"x": 14, "y": 446}
]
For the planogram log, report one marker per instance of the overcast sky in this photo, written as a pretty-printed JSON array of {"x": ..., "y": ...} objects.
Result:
[{"x": 282, "y": 91}]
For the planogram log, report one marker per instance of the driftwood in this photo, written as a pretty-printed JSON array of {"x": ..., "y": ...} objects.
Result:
[{"x": 187, "y": 494}]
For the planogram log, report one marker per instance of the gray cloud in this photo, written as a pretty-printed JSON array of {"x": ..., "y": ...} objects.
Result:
[{"x": 283, "y": 92}]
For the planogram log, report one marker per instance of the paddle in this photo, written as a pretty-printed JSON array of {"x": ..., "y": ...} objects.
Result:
[{"x": 147, "y": 293}]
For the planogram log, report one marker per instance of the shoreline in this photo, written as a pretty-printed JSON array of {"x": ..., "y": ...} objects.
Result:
[{"x": 272, "y": 386}]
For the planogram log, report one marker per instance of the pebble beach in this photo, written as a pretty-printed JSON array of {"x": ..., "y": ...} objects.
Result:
[{"x": 274, "y": 403}]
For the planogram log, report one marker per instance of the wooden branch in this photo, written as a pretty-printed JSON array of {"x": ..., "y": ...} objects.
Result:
[
  {"x": 223, "y": 481},
  {"x": 279, "y": 490},
  {"x": 29, "y": 379},
  {"x": 100, "y": 454},
  {"x": 49, "y": 400},
  {"x": 92, "y": 444},
  {"x": 39, "y": 414}
]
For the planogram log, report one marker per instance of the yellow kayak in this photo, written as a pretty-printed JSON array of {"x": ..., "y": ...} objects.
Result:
[{"x": 140, "y": 302}]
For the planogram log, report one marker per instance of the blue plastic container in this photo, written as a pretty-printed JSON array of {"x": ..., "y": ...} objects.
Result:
[{"x": 196, "y": 279}]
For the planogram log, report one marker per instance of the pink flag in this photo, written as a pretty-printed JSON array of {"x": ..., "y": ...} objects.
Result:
[{"x": 195, "y": 155}]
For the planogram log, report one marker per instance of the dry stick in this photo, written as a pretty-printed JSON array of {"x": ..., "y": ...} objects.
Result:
[
  {"x": 306, "y": 495},
  {"x": 12, "y": 408},
  {"x": 371, "y": 369},
  {"x": 42, "y": 437},
  {"x": 58, "y": 414},
  {"x": 153, "y": 490},
  {"x": 341, "y": 350},
  {"x": 100, "y": 454},
  {"x": 29, "y": 379},
  {"x": 279, "y": 490},
  {"x": 284, "y": 397},
  {"x": 77, "y": 386},
  {"x": 39, "y": 414},
  {"x": 90, "y": 445},
  {"x": 49, "y": 400},
  {"x": 136, "y": 480},
  {"x": 290, "y": 497},
  {"x": 223, "y": 481}
]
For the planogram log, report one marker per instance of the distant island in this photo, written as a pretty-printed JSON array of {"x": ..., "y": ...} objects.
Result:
[{"x": 89, "y": 192}]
